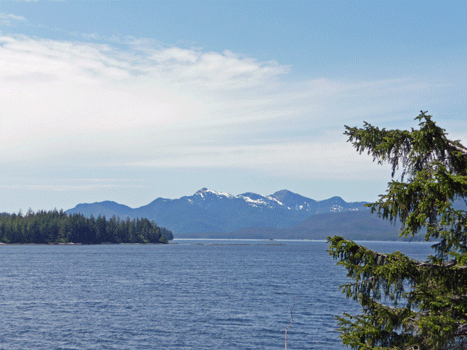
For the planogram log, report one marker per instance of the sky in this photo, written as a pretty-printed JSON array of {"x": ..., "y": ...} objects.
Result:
[{"x": 129, "y": 101}]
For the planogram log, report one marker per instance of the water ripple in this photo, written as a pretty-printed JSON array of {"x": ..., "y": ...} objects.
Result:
[{"x": 177, "y": 296}]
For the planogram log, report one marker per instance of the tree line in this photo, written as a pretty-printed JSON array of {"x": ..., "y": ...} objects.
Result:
[{"x": 57, "y": 227}]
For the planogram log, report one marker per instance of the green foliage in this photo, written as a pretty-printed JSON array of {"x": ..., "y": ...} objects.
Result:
[
  {"x": 409, "y": 304},
  {"x": 58, "y": 227}
]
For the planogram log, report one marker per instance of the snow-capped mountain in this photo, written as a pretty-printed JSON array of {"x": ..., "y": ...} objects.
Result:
[{"x": 212, "y": 211}]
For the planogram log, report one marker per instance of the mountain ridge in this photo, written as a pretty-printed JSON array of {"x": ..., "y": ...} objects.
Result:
[{"x": 211, "y": 211}]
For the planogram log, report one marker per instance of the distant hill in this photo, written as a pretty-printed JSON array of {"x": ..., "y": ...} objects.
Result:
[
  {"x": 211, "y": 211},
  {"x": 106, "y": 208},
  {"x": 356, "y": 225}
]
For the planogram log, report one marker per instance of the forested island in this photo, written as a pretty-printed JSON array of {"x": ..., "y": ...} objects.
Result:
[{"x": 55, "y": 227}]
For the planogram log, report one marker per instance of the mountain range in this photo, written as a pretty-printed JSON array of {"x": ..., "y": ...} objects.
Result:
[{"x": 283, "y": 214}]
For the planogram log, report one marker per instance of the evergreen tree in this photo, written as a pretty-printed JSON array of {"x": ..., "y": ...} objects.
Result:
[
  {"x": 410, "y": 304},
  {"x": 58, "y": 227}
]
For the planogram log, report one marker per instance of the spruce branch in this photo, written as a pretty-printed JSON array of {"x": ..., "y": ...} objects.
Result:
[{"x": 460, "y": 148}]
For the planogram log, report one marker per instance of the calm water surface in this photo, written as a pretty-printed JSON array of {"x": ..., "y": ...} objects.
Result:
[{"x": 191, "y": 294}]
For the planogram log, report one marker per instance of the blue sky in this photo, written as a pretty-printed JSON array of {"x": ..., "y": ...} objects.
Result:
[{"x": 134, "y": 100}]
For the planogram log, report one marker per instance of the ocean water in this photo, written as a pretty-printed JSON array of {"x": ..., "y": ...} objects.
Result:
[{"x": 190, "y": 294}]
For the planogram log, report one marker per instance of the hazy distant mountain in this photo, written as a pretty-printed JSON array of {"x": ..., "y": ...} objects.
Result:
[
  {"x": 211, "y": 211},
  {"x": 356, "y": 225},
  {"x": 106, "y": 208}
]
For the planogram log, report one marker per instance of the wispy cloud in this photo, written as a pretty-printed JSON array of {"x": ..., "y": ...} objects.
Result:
[
  {"x": 60, "y": 185},
  {"x": 7, "y": 19},
  {"x": 137, "y": 103}
]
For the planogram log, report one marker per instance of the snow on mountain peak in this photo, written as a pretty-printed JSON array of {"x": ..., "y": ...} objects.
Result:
[
  {"x": 275, "y": 200},
  {"x": 204, "y": 191},
  {"x": 283, "y": 199},
  {"x": 251, "y": 200}
]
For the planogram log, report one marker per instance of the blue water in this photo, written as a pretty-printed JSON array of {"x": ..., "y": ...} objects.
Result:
[{"x": 191, "y": 294}]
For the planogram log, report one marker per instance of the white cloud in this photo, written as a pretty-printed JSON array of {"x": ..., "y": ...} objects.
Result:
[
  {"x": 52, "y": 85},
  {"x": 213, "y": 70},
  {"x": 66, "y": 103}
]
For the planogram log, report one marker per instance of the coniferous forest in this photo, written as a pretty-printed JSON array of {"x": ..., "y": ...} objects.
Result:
[{"x": 55, "y": 226}]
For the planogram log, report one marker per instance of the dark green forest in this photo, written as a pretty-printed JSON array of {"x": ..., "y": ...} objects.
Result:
[{"x": 47, "y": 227}]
